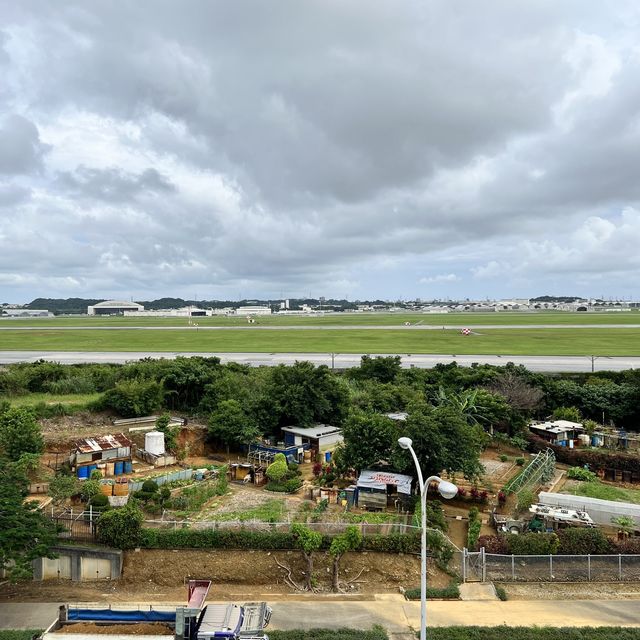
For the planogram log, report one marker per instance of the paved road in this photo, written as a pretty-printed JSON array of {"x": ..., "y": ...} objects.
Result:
[
  {"x": 397, "y": 615},
  {"x": 320, "y": 327},
  {"x": 338, "y": 361}
]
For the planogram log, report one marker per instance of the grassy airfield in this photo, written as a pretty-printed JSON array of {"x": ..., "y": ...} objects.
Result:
[{"x": 546, "y": 341}]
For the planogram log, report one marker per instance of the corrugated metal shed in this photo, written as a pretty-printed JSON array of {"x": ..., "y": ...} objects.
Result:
[{"x": 102, "y": 443}]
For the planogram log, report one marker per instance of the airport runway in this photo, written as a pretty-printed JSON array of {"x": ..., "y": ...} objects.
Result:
[{"x": 337, "y": 360}]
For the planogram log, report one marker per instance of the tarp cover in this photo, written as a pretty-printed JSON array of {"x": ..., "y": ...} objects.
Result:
[
  {"x": 113, "y": 615},
  {"x": 380, "y": 479}
]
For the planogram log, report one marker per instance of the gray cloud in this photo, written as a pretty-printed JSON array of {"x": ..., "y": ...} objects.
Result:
[
  {"x": 321, "y": 147},
  {"x": 21, "y": 150}
]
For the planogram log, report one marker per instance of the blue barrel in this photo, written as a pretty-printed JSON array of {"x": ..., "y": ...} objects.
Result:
[
  {"x": 118, "y": 469},
  {"x": 199, "y": 475},
  {"x": 327, "y": 456},
  {"x": 83, "y": 473},
  {"x": 92, "y": 468},
  {"x": 128, "y": 466}
]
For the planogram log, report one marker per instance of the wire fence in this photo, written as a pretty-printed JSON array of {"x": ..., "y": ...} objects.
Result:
[
  {"x": 328, "y": 528},
  {"x": 491, "y": 567}
]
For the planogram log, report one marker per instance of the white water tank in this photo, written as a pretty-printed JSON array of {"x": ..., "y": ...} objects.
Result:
[{"x": 154, "y": 442}]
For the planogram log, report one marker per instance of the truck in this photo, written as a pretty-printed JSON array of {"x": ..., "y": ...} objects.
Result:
[
  {"x": 196, "y": 620},
  {"x": 542, "y": 518}
]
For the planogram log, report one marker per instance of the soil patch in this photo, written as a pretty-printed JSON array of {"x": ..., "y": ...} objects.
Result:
[
  {"x": 161, "y": 576},
  {"x": 573, "y": 591},
  {"x": 138, "y": 629}
]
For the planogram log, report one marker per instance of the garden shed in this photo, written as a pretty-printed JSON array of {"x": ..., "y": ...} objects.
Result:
[
  {"x": 110, "y": 453},
  {"x": 320, "y": 439},
  {"x": 378, "y": 489}
]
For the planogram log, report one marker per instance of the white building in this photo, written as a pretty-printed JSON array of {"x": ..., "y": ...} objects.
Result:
[
  {"x": 253, "y": 311},
  {"x": 113, "y": 308}
]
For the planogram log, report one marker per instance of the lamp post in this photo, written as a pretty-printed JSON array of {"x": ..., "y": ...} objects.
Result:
[{"x": 447, "y": 490}]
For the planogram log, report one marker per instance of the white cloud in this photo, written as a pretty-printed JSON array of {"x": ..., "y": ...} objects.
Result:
[{"x": 440, "y": 278}]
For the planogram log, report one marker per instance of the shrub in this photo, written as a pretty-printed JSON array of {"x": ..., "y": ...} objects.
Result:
[
  {"x": 501, "y": 593},
  {"x": 99, "y": 501},
  {"x": 502, "y": 497},
  {"x": 533, "y": 544},
  {"x": 134, "y": 398},
  {"x": 474, "y": 530},
  {"x": 503, "y": 457},
  {"x": 287, "y": 486},
  {"x": 580, "y": 473},
  {"x": 494, "y": 544},
  {"x": 452, "y": 592},
  {"x": 278, "y": 468},
  {"x": 121, "y": 528},
  {"x": 525, "y": 499},
  {"x": 150, "y": 486},
  {"x": 578, "y": 541},
  {"x": 520, "y": 462}
]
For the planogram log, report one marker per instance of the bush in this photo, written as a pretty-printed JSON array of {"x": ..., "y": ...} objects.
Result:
[
  {"x": 376, "y": 633},
  {"x": 494, "y": 544},
  {"x": 503, "y": 457},
  {"x": 452, "y": 592},
  {"x": 520, "y": 462},
  {"x": 99, "y": 501},
  {"x": 121, "y": 528},
  {"x": 578, "y": 541},
  {"x": 287, "y": 486},
  {"x": 150, "y": 486},
  {"x": 533, "y": 544},
  {"x": 525, "y": 499},
  {"x": 134, "y": 398},
  {"x": 580, "y": 473},
  {"x": 501, "y": 593},
  {"x": 277, "y": 470},
  {"x": 474, "y": 528}
]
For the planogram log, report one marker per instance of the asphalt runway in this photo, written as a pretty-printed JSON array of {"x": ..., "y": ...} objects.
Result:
[{"x": 337, "y": 361}]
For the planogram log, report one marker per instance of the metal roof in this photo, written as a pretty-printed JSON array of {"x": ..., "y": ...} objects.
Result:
[
  {"x": 313, "y": 432},
  {"x": 102, "y": 443}
]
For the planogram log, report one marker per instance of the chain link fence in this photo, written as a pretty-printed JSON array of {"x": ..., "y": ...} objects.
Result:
[{"x": 560, "y": 568}]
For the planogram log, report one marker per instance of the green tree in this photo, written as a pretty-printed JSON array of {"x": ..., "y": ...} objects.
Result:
[
  {"x": 302, "y": 394},
  {"x": 231, "y": 425},
  {"x": 567, "y": 413},
  {"x": 186, "y": 378},
  {"x": 350, "y": 540},
  {"x": 381, "y": 368},
  {"x": 62, "y": 487},
  {"x": 308, "y": 542},
  {"x": 278, "y": 469},
  {"x": 20, "y": 433},
  {"x": 163, "y": 424},
  {"x": 121, "y": 528},
  {"x": 442, "y": 440},
  {"x": 25, "y": 533},
  {"x": 134, "y": 398},
  {"x": 368, "y": 438}
]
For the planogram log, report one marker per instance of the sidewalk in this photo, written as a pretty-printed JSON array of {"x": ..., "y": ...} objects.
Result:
[{"x": 398, "y": 615}]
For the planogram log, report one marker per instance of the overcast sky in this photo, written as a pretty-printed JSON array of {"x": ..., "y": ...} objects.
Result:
[{"x": 226, "y": 149}]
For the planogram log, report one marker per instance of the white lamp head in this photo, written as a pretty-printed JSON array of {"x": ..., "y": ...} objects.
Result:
[
  {"x": 447, "y": 490},
  {"x": 405, "y": 443}
]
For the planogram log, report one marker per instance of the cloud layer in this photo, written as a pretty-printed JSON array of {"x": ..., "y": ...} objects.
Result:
[{"x": 250, "y": 149}]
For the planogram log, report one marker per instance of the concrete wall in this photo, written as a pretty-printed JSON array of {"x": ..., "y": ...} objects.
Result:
[{"x": 79, "y": 564}]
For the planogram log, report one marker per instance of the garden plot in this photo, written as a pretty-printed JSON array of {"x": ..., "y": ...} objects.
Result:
[{"x": 251, "y": 503}]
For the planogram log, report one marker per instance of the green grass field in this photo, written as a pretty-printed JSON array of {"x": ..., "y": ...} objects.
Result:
[
  {"x": 346, "y": 319},
  {"x": 605, "y": 492},
  {"x": 550, "y": 341},
  {"x": 51, "y": 398}
]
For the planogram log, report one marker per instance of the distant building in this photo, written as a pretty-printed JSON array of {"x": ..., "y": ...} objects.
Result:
[
  {"x": 561, "y": 432},
  {"x": 184, "y": 312},
  {"x": 26, "y": 313},
  {"x": 113, "y": 308},
  {"x": 253, "y": 311}
]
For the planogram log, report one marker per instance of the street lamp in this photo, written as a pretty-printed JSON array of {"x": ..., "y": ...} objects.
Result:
[{"x": 447, "y": 490}]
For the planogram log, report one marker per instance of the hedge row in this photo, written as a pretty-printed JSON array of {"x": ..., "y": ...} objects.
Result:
[
  {"x": 19, "y": 634},
  {"x": 571, "y": 541},
  {"x": 376, "y": 633},
  {"x": 452, "y": 592},
  {"x": 531, "y": 633},
  {"x": 263, "y": 540}
]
